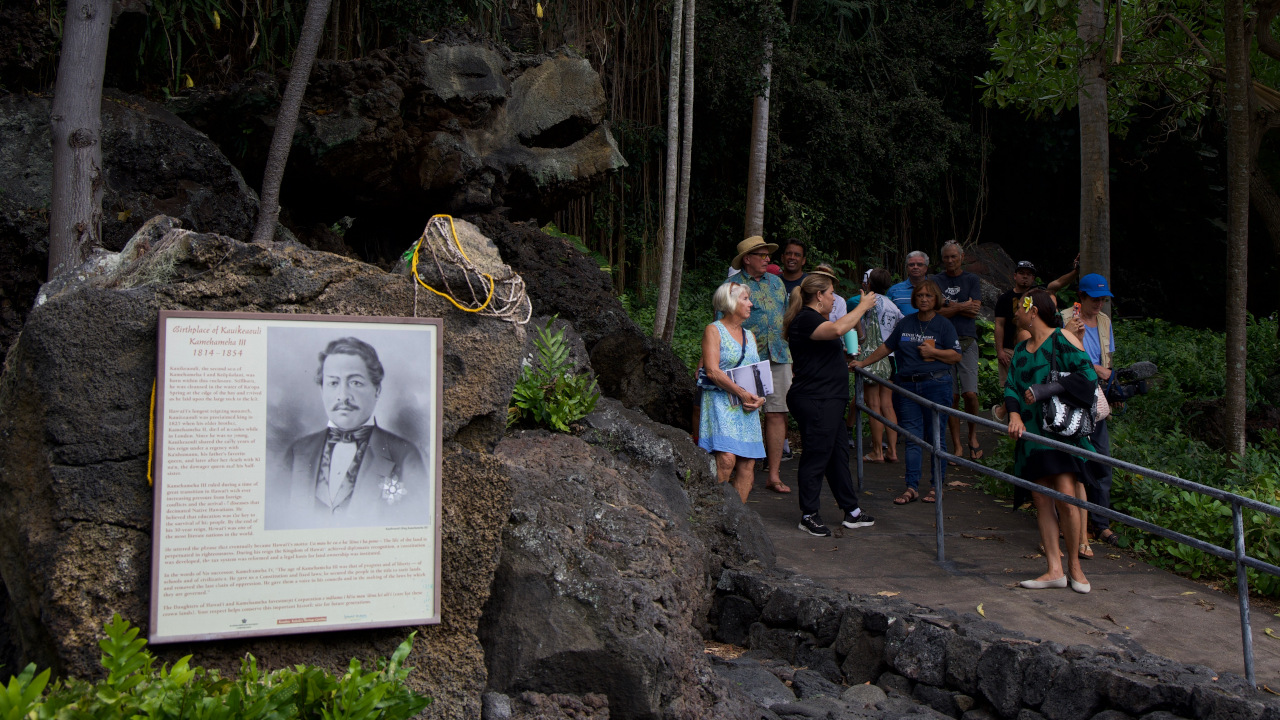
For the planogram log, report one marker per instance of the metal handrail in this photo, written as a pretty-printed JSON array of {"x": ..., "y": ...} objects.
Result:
[{"x": 939, "y": 456}]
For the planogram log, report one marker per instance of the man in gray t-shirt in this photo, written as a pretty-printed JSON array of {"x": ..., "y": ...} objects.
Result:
[{"x": 961, "y": 303}]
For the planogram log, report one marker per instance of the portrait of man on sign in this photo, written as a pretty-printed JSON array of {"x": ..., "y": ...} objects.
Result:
[{"x": 353, "y": 472}]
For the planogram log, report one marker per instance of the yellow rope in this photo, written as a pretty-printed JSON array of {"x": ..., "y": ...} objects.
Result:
[
  {"x": 151, "y": 435},
  {"x": 448, "y": 295}
]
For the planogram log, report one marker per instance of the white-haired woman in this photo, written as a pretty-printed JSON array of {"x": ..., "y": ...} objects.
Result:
[{"x": 731, "y": 432}]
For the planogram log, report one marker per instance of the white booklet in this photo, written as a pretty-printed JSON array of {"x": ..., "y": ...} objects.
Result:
[{"x": 754, "y": 378}]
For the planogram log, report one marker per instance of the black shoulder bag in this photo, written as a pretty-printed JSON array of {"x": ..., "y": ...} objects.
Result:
[{"x": 704, "y": 382}]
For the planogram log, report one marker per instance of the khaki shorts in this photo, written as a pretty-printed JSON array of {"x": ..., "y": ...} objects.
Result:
[
  {"x": 965, "y": 372},
  {"x": 777, "y": 402}
]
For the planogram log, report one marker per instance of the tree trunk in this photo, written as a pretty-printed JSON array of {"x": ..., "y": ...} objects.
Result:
[
  {"x": 759, "y": 151},
  {"x": 1238, "y": 164},
  {"x": 686, "y": 158},
  {"x": 287, "y": 119},
  {"x": 1095, "y": 156},
  {"x": 75, "y": 209},
  {"x": 669, "y": 201}
]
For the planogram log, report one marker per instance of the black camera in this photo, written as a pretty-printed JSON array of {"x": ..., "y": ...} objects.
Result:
[{"x": 1130, "y": 381}]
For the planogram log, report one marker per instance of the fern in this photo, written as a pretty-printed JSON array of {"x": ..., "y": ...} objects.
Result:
[{"x": 548, "y": 393}]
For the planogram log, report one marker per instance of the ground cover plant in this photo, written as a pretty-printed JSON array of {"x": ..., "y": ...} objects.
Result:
[{"x": 135, "y": 687}]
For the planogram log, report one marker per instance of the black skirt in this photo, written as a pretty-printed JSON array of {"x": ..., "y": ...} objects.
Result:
[{"x": 1041, "y": 463}]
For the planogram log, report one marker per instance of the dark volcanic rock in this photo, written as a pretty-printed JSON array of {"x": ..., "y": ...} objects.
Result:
[
  {"x": 153, "y": 164},
  {"x": 75, "y": 537},
  {"x": 600, "y": 586},
  {"x": 630, "y": 365},
  {"x": 455, "y": 127}
]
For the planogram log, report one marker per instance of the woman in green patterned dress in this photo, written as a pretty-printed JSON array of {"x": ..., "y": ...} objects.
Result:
[{"x": 1046, "y": 466}]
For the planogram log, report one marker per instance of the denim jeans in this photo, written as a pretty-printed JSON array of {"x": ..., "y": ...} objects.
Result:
[{"x": 918, "y": 421}]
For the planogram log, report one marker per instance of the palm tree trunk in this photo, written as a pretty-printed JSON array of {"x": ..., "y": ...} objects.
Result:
[
  {"x": 75, "y": 208},
  {"x": 1238, "y": 163},
  {"x": 1095, "y": 156},
  {"x": 672, "y": 167},
  {"x": 686, "y": 158},
  {"x": 759, "y": 151},
  {"x": 287, "y": 119}
]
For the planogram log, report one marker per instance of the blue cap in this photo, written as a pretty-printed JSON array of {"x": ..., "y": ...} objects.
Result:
[{"x": 1094, "y": 285}]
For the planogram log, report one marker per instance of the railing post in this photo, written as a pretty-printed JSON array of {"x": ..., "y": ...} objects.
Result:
[
  {"x": 858, "y": 397},
  {"x": 937, "y": 464},
  {"x": 1242, "y": 592}
]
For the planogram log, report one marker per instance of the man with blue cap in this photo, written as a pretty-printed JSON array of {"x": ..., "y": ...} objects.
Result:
[{"x": 1093, "y": 327}]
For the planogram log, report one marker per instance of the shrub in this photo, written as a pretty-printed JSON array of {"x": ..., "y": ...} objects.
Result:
[
  {"x": 135, "y": 688},
  {"x": 548, "y": 393}
]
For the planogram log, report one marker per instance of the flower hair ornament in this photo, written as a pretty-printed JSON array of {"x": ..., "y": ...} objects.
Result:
[{"x": 1026, "y": 303}]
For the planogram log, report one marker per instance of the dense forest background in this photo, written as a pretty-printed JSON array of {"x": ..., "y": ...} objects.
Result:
[{"x": 879, "y": 140}]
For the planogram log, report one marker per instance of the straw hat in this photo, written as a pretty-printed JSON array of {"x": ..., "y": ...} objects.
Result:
[{"x": 752, "y": 243}]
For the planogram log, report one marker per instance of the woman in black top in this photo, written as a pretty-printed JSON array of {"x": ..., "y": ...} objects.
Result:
[{"x": 818, "y": 396}]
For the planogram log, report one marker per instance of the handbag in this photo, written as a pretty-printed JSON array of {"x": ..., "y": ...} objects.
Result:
[
  {"x": 1102, "y": 408},
  {"x": 1059, "y": 417},
  {"x": 704, "y": 382}
]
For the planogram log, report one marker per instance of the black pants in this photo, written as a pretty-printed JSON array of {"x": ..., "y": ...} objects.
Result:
[
  {"x": 826, "y": 451},
  {"x": 1097, "y": 477}
]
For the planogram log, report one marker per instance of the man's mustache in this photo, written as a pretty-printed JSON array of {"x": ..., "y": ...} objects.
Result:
[{"x": 345, "y": 406}]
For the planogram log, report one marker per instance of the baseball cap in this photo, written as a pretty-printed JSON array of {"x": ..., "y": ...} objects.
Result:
[
  {"x": 1026, "y": 265},
  {"x": 1094, "y": 285}
]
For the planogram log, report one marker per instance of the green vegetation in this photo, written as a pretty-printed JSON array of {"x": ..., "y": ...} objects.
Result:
[
  {"x": 135, "y": 688},
  {"x": 548, "y": 392},
  {"x": 1170, "y": 429}
]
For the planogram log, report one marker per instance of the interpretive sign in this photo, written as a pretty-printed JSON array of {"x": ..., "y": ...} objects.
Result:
[{"x": 297, "y": 474}]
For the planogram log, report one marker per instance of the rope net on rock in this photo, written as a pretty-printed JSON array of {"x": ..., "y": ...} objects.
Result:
[{"x": 504, "y": 299}]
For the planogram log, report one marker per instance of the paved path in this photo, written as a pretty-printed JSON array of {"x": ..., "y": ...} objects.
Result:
[{"x": 989, "y": 548}]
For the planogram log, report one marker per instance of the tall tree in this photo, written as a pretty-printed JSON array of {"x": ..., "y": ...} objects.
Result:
[
  {"x": 75, "y": 210},
  {"x": 1095, "y": 154},
  {"x": 756, "y": 167},
  {"x": 669, "y": 201},
  {"x": 287, "y": 119},
  {"x": 1238, "y": 35},
  {"x": 686, "y": 157}
]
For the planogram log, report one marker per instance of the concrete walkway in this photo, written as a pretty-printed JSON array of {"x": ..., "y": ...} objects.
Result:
[{"x": 989, "y": 548}]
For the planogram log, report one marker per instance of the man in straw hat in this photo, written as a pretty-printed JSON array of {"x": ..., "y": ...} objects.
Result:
[{"x": 769, "y": 304}]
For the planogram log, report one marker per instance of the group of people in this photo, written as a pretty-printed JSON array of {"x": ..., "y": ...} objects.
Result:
[{"x": 921, "y": 334}]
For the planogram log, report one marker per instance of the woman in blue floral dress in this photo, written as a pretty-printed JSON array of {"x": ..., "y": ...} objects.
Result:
[{"x": 731, "y": 432}]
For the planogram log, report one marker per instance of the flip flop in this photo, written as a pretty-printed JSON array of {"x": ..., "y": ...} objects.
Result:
[
  {"x": 1085, "y": 552},
  {"x": 975, "y": 452},
  {"x": 781, "y": 488},
  {"x": 869, "y": 459}
]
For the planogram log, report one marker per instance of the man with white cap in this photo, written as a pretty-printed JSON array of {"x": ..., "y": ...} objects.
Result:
[{"x": 769, "y": 303}]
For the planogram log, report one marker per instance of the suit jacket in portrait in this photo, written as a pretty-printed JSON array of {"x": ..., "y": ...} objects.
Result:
[{"x": 390, "y": 462}]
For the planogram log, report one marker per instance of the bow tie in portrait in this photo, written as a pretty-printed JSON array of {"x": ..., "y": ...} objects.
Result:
[{"x": 360, "y": 434}]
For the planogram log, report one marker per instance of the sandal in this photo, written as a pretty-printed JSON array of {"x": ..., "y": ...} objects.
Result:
[
  {"x": 909, "y": 496},
  {"x": 867, "y": 458},
  {"x": 1085, "y": 552},
  {"x": 779, "y": 488},
  {"x": 975, "y": 452},
  {"x": 931, "y": 497},
  {"x": 1110, "y": 538}
]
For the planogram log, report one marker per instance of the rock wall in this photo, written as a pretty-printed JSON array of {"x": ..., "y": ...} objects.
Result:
[
  {"x": 940, "y": 664},
  {"x": 75, "y": 536}
]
